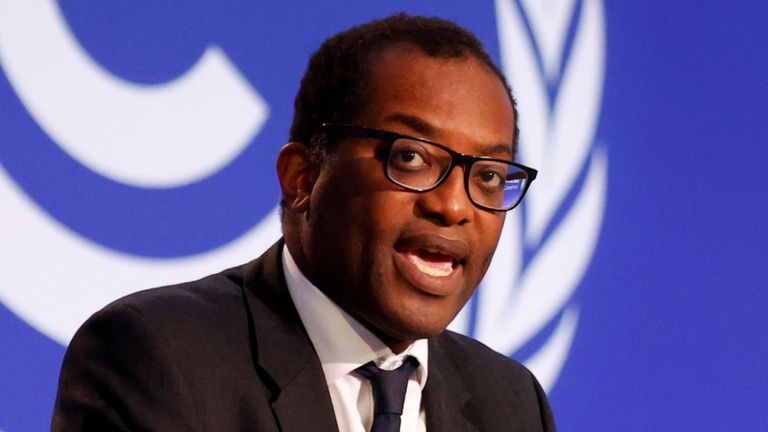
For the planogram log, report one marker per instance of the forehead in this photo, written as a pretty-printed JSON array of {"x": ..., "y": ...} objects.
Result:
[{"x": 457, "y": 101}]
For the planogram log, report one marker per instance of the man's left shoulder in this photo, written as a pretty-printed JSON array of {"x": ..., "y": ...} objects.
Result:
[
  {"x": 472, "y": 354},
  {"x": 503, "y": 392}
]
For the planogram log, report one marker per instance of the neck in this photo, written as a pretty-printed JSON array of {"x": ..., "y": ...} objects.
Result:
[{"x": 396, "y": 345}]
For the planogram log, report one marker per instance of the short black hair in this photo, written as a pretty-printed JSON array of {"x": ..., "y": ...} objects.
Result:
[{"x": 333, "y": 89}]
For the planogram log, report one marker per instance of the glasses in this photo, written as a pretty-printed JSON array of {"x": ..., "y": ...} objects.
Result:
[{"x": 420, "y": 165}]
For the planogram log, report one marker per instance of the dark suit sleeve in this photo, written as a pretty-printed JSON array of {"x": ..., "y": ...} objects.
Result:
[{"x": 116, "y": 371}]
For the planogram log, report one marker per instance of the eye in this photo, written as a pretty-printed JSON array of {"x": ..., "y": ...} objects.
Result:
[
  {"x": 489, "y": 178},
  {"x": 408, "y": 157}
]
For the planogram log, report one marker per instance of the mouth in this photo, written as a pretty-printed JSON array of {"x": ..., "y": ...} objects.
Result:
[{"x": 431, "y": 263}]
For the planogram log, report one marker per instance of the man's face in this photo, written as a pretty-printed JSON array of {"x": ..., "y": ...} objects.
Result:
[{"x": 402, "y": 262}]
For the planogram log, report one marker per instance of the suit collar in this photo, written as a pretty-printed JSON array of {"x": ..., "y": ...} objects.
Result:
[{"x": 282, "y": 352}]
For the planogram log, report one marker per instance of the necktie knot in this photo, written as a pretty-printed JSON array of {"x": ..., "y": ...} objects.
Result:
[{"x": 389, "y": 389}]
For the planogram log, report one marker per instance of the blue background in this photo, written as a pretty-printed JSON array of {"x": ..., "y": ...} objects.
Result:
[{"x": 672, "y": 334}]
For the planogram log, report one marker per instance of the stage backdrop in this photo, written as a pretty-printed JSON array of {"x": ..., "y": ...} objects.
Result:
[{"x": 137, "y": 148}]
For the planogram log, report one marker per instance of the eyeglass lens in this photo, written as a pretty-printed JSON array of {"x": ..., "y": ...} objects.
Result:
[{"x": 420, "y": 166}]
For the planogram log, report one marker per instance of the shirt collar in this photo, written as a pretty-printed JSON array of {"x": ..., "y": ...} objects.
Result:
[{"x": 341, "y": 342}]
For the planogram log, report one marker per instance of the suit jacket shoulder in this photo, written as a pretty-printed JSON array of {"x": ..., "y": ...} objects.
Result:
[
  {"x": 200, "y": 356},
  {"x": 494, "y": 392}
]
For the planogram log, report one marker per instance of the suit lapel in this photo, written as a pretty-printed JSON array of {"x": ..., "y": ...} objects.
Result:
[
  {"x": 446, "y": 398},
  {"x": 282, "y": 352}
]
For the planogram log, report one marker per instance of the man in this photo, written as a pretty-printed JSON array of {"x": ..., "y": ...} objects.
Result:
[{"x": 388, "y": 229}]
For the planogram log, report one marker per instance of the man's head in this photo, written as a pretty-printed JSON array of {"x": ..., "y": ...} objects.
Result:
[
  {"x": 335, "y": 85},
  {"x": 401, "y": 262}
]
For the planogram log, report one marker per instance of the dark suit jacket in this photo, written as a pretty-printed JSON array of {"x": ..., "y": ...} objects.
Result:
[{"x": 229, "y": 353}]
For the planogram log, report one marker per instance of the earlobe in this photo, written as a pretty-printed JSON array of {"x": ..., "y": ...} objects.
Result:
[
  {"x": 301, "y": 201},
  {"x": 295, "y": 173}
]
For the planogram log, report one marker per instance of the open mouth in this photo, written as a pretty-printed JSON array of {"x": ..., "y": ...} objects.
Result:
[{"x": 431, "y": 263}]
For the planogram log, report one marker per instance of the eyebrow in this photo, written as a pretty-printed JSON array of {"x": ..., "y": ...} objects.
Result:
[{"x": 422, "y": 127}]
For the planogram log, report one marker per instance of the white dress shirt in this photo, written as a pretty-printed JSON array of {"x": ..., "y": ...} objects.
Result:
[{"x": 343, "y": 345}]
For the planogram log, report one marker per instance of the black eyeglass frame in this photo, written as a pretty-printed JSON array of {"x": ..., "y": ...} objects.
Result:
[{"x": 457, "y": 158}]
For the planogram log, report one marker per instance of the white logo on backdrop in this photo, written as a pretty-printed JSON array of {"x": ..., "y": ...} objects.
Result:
[
  {"x": 141, "y": 135},
  {"x": 517, "y": 301}
]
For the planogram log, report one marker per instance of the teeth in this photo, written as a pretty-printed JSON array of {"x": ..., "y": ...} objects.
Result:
[{"x": 432, "y": 268}]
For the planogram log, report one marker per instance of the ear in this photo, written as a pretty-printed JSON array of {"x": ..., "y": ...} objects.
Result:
[{"x": 295, "y": 172}]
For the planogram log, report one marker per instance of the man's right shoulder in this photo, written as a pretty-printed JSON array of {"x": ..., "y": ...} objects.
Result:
[
  {"x": 205, "y": 295},
  {"x": 211, "y": 298},
  {"x": 178, "y": 357},
  {"x": 207, "y": 311}
]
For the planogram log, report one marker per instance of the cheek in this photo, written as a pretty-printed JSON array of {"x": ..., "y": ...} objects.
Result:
[
  {"x": 488, "y": 233},
  {"x": 355, "y": 219}
]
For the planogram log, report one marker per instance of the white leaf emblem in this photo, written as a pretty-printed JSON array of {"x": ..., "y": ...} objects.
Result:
[{"x": 546, "y": 246}]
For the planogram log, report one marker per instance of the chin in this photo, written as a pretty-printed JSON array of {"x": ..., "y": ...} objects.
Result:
[{"x": 409, "y": 324}]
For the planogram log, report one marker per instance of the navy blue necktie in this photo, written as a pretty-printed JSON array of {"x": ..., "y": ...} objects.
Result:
[{"x": 388, "y": 393}]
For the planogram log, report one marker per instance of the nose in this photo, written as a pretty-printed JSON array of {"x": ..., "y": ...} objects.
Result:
[{"x": 448, "y": 204}]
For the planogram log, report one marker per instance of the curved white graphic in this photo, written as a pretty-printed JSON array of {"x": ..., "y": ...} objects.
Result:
[
  {"x": 55, "y": 279},
  {"x": 148, "y": 136},
  {"x": 143, "y": 135},
  {"x": 559, "y": 141}
]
